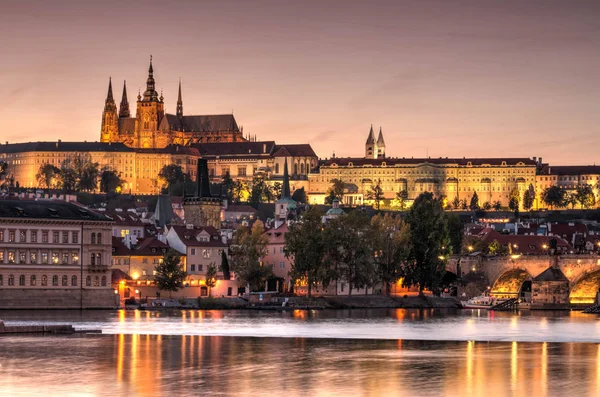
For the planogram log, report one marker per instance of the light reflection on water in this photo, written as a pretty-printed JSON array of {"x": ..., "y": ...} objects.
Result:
[
  {"x": 156, "y": 365},
  {"x": 477, "y": 325}
]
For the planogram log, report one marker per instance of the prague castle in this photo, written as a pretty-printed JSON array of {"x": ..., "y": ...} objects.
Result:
[{"x": 153, "y": 128}]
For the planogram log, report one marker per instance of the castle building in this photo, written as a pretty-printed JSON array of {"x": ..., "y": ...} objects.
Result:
[
  {"x": 492, "y": 178},
  {"x": 153, "y": 128}
]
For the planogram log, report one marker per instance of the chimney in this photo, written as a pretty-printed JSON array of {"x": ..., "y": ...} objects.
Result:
[{"x": 264, "y": 148}]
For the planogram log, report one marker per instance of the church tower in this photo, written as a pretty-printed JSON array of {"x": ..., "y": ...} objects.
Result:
[
  {"x": 149, "y": 113},
  {"x": 124, "y": 107},
  {"x": 380, "y": 145},
  {"x": 110, "y": 124},
  {"x": 179, "y": 104},
  {"x": 370, "y": 146}
]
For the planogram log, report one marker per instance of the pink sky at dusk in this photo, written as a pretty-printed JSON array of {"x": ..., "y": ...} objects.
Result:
[{"x": 449, "y": 78}]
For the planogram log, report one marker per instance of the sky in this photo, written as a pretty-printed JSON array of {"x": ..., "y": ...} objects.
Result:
[{"x": 479, "y": 78}]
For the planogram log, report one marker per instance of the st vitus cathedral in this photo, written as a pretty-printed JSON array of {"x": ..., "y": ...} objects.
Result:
[{"x": 153, "y": 128}]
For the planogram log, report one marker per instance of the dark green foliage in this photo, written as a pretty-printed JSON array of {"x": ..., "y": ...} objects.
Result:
[{"x": 170, "y": 274}]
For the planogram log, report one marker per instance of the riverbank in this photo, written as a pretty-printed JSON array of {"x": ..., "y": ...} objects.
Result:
[{"x": 314, "y": 303}]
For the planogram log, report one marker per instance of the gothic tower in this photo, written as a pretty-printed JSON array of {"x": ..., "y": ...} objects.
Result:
[
  {"x": 149, "y": 113},
  {"x": 370, "y": 147},
  {"x": 124, "y": 107},
  {"x": 380, "y": 145},
  {"x": 110, "y": 124},
  {"x": 179, "y": 104}
]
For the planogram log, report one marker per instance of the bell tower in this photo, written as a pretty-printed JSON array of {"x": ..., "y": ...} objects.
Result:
[
  {"x": 110, "y": 124},
  {"x": 150, "y": 111}
]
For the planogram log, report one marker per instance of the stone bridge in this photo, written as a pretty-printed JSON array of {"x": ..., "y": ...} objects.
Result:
[{"x": 506, "y": 275}]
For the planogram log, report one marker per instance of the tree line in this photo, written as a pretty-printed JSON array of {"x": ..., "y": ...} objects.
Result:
[{"x": 356, "y": 250}]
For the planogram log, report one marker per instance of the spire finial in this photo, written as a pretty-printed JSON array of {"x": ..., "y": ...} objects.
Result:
[
  {"x": 150, "y": 95},
  {"x": 179, "y": 112},
  {"x": 109, "y": 104}
]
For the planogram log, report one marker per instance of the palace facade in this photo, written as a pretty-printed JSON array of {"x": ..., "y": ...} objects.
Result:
[
  {"x": 152, "y": 127},
  {"x": 54, "y": 254},
  {"x": 492, "y": 178}
]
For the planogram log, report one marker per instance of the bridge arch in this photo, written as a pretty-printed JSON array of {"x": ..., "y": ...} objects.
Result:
[
  {"x": 585, "y": 288},
  {"x": 509, "y": 284}
]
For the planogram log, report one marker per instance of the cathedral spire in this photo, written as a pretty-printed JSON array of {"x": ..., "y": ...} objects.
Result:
[
  {"x": 380, "y": 138},
  {"x": 109, "y": 104},
  {"x": 124, "y": 108},
  {"x": 150, "y": 94},
  {"x": 371, "y": 138},
  {"x": 285, "y": 189},
  {"x": 179, "y": 103}
]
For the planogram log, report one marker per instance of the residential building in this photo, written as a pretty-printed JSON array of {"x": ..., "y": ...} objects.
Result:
[{"x": 54, "y": 254}]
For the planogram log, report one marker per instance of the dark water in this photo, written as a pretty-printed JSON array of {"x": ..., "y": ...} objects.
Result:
[{"x": 179, "y": 360}]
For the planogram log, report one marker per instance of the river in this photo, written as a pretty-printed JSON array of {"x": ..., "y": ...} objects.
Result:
[{"x": 305, "y": 353}]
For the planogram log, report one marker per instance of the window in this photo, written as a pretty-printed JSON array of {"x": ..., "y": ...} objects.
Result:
[
  {"x": 99, "y": 238},
  {"x": 206, "y": 253},
  {"x": 1, "y": 235},
  {"x": 98, "y": 259},
  {"x": 281, "y": 250},
  {"x": 45, "y": 258},
  {"x": 11, "y": 280},
  {"x": 193, "y": 268},
  {"x": 11, "y": 256},
  {"x": 88, "y": 281},
  {"x": 55, "y": 258},
  {"x": 65, "y": 237},
  {"x": 74, "y": 258},
  {"x": 44, "y": 280},
  {"x": 75, "y": 237},
  {"x": 44, "y": 236},
  {"x": 277, "y": 168},
  {"x": 193, "y": 251},
  {"x": 65, "y": 281},
  {"x": 92, "y": 259},
  {"x": 1, "y": 256},
  {"x": 200, "y": 268},
  {"x": 22, "y": 257},
  {"x": 11, "y": 236},
  {"x": 96, "y": 281},
  {"x": 55, "y": 237},
  {"x": 144, "y": 260},
  {"x": 65, "y": 258},
  {"x": 22, "y": 280},
  {"x": 241, "y": 171},
  {"x": 93, "y": 238},
  {"x": 282, "y": 265},
  {"x": 103, "y": 282},
  {"x": 33, "y": 236},
  {"x": 32, "y": 280},
  {"x": 23, "y": 236},
  {"x": 1, "y": 280},
  {"x": 55, "y": 281},
  {"x": 74, "y": 281}
]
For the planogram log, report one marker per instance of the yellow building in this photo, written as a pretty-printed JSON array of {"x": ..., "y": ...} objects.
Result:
[
  {"x": 492, "y": 178},
  {"x": 137, "y": 167}
]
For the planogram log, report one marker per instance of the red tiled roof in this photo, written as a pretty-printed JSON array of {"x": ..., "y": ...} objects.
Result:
[
  {"x": 118, "y": 248},
  {"x": 150, "y": 246},
  {"x": 525, "y": 244},
  {"x": 188, "y": 236}
]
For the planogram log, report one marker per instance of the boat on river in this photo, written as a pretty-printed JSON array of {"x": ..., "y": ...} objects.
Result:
[{"x": 481, "y": 302}]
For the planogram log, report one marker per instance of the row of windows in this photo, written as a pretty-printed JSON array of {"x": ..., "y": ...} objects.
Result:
[
  {"x": 43, "y": 257},
  {"x": 32, "y": 236},
  {"x": 89, "y": 281},
  {"x": 206, "y": 252}
]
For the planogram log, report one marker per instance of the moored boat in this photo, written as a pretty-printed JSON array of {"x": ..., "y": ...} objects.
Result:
[{"x": 481, "y": 302}]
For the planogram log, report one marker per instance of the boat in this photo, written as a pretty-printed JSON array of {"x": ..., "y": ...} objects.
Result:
[{"x": 481, "y": 302}]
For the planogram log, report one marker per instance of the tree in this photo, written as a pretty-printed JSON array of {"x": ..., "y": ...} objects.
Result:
[
  {"x": 299, "y": 195},
  {"x": 248, "y": 248},
  {"x": 210, "y": 278},
  {"x": 336, "y": 191},
  {"x": 455, "y": 233},
  {"x": 375, "y": 193},
  {"x": 474, "y": 204},
  {"x": 401, "y": 197},
  {"x": 486, "y": 206},
  {"x": 570, "y": 199},
  {"x": 47, "y": 175},
  {"x": 240, "y": 191},
  {"x": 349, "y": 250},
  {"x": 227, "y": 185},
  {"x": 169, "y": 273},
  {"x": 553, "y": 196},
  {"x": 225, "y": 266},
  {"x": 171, "y": 175},
  {"x": 110, "y": 181},
  {"x": 528, "y": 200},
  {"x": 456, "y": 203},
  {"x": 495, "y": 248},
  {"x": 463, "y": 205},
  {"x": 585, "y": 196},
  {"x": 514, "y": 201},
  {"x": 276, "y": 190},
  {"x": 259, "y": 192},
  {"x": 3, "y": 172},
  {"x": 429, "y": 233},
  {"x": 305, "y": 245},
  {"x": 497, "y": 205},
  {"x": 79, "y": 173},
  {"x": 391, "y": 244}
]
